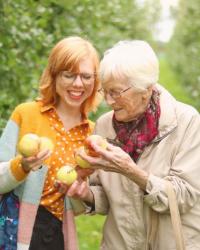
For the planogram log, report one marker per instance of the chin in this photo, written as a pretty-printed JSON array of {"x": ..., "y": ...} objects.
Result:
[{"x": 123, "y": 118}]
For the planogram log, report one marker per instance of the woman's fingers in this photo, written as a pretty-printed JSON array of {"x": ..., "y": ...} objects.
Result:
[
  {"x": 35, "y": 162},
  {"x": 84, "y": 172}
]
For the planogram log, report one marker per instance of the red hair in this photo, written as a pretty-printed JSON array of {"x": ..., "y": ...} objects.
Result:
[{"x": 66, "y": 55}]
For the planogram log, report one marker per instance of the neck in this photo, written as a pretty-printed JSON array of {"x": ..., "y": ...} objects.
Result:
[{"x": 68, "y": 115}]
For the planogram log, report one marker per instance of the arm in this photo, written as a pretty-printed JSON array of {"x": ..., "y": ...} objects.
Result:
[
  {"x": 184, "y": 174},
  {"x": 14, "y": 169}
]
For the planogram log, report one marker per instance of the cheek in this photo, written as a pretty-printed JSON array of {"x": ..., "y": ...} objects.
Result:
[
  {"x": 59, "y": 90},
  {"x": 132, "y": 106},
  {"x": 89, "y": 90}
]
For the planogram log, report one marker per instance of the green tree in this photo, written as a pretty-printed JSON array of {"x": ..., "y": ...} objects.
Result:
[
  {"x": 184, "y": 47},
  {"x": 29, "y": 29}
]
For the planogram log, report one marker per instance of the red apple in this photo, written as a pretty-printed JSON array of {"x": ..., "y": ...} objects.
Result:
[{"x": 100, "y": 141}]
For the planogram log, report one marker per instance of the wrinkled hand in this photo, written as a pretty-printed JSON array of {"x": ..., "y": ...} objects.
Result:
[
  {"x": 33, "y": 163},
  {"x": 112, "y": 159},
  {"x": 83, "y": 173}
]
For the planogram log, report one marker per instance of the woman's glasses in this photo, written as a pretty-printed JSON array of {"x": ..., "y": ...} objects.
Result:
[
  {"x": 70, "y": 77},
  {"x": 114, "y": 94}
]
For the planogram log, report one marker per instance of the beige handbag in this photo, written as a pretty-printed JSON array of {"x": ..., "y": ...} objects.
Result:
[{"x": 175, "y": 219}]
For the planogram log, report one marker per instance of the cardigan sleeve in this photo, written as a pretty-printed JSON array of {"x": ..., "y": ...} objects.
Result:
[{"x": 11, "y": 172}]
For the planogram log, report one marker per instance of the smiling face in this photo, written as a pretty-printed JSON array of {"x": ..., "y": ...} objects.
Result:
[
  {"x": 131, "y": 104},
  {"x": 73, "y": 88}
]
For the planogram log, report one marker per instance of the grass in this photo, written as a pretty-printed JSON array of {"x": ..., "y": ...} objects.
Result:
[
  {"x": 89, "y": 227},
  {"x": 89, "y": 231}
]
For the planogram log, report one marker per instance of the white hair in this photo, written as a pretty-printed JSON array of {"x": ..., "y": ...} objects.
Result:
[{"x": 134, "y": 61}]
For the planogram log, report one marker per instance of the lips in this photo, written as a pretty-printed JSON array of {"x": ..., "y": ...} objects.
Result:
[{"x": 75, "y": 94}]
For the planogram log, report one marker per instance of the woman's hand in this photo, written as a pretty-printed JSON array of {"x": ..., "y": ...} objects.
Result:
[
  {"x": 114, "y": 159},
  {"x": 79, "y": 189},
  {"x": 33, "y": 163}
]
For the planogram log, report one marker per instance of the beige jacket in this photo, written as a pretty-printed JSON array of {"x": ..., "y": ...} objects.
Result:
[{"x": 175, "y": 155}]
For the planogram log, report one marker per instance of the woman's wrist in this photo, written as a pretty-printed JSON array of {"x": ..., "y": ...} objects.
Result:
[
  {"x": 139, "y": 176},
  {"x": 89, "y": 198},
  {"x": 25, "y": 167}
]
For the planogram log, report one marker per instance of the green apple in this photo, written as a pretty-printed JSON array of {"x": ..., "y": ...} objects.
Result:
[
  {"x": 80, "y": 161},
  {"x": 29, "y": 145},
  {"x": 66, "y": 174},
  {"x": 46, "y": 143}
]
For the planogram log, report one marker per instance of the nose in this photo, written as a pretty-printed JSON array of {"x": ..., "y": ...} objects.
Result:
[{"x": 78, "y": 81}]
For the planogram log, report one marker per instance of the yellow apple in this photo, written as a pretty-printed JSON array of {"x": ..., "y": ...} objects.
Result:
[
  {"x": 100, "y": 141},
  {"x": 29, "y": 145},
  {"x": 66, "y": 174},
  {"x": 46, "y": 143},
  {"x": 80, "y": 161}
]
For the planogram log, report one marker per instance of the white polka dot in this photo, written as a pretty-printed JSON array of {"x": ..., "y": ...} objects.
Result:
[
  {"x": 53, "y": 163},
  {"x": 62, "y": 149},
  {"x": 56, "y": 152},
  {"x": 58, "y": 143}
]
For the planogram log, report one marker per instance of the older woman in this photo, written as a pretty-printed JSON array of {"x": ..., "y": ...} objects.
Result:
[
  {"x": 153, "y": 137},
  {"x": 68, "y": 91}
]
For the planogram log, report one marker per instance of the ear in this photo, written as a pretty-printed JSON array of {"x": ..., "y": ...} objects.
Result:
[{"x": 147, "y": 94}]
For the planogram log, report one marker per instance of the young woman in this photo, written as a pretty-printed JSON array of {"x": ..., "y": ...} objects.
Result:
[{"x": 68, "y": 91}]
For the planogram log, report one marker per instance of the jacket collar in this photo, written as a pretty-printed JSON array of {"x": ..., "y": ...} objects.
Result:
[{"x": 168, "y": 117}]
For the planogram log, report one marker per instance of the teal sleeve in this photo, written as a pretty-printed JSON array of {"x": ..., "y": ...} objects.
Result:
[{"x": 8, "y": 141}]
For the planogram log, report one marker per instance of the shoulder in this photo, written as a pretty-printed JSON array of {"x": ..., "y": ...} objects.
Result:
[
  {"x": 104, "y": 125},
  {"x": 107, "y": 117},
  {"x": 27, "y": 109},
  {"x": 27, "y": 106}
]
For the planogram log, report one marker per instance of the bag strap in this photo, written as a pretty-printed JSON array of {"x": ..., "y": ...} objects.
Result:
[{"x": 175, "y": 217}]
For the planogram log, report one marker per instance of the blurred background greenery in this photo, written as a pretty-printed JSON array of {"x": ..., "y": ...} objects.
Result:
[{"x": 29, "y": 29}]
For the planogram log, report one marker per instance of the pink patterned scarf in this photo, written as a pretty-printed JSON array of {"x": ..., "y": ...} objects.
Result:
[{"x": 135, "y": 135}]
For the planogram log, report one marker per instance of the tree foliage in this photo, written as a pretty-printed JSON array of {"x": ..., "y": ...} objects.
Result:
[
  {"x": 185, "y": 46},
  {"x": 29, "y": 29}
]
